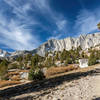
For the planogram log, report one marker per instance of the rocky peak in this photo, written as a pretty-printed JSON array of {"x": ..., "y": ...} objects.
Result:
[
  {"x": 84, "y": 41},
  {"x": 4, "y": 53}
]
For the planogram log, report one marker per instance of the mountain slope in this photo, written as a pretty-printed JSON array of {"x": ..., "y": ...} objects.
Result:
[
  {"x": 4, "y": 53},
  {"x": 85, "y": 41}
]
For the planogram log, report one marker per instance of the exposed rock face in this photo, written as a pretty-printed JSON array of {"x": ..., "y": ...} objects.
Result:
[
  {"x": 4, "y": 53},
  {"x": 85, "y": 41},
  {"x": 17, "y": 53}
]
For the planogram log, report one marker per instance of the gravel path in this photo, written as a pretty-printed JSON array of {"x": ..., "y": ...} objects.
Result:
[
  {"x": 76, "y": 90},
  {"x": 96, "y": 84},
  {"x": 78, "y": 86},
  {"x": 85, "y": 88}
]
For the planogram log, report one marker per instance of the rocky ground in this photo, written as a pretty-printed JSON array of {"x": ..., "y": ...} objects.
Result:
[
  {"x": 81, "y": 89},
  {"x": 86, "y": 87}
]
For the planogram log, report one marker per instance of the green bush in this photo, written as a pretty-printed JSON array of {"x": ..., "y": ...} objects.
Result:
[
  {"x": 3, "y": 72},
  {"x": 68, "y": 61},
  {"x": 36, "y": 74},
  {"x": 13, "y": 66},
  {"x": 92, "y": 61}
]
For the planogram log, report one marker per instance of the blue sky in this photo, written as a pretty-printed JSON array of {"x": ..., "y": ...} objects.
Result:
[{"x": 25, "y": 24}]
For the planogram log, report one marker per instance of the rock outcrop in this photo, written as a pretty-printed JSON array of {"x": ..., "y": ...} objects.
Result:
[
  {"x": 84, "y": 41},
  {"x": 4, "y": 53}
]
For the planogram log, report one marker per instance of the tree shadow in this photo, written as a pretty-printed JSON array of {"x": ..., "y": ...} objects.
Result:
[
  {"x": 44, "y": 84},
  {"x": 97, "y": 98}
]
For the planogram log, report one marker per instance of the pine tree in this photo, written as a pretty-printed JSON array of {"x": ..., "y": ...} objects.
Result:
[
  {"x": 36, "y": 74},
  {"x": 3, "y": 69},
  {"x": 35, "y": 60},
  {"x": 57, "y": 56},
  {"x": 98, "y": 25},
  {"x": 92, "y": 59}
]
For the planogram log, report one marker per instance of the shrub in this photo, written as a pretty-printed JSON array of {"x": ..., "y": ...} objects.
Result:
[
  {"x": 13, "y": 66},
  {"x": 68, "y": 61},
  {"x": 3, "y": 72},
  {"x": 57, "y": 70},
  {"x": 49, "y": 62},
  {"x": 36, "y": 74},
  {"x": 21, "y": 65},
  {"x": 92, "y": 59}
]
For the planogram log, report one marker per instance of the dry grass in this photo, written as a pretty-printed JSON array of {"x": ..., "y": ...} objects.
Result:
[
  {"x": 24, "y": 71},
  {"x": 57, "y": 70},
  {"x": 8, "y": 83},
  {"x": 51, "y": 72},
  {"x": 15, "y": 78},
  {"x": 13, "y": 73},
  {"x": 17, "y": 72}
]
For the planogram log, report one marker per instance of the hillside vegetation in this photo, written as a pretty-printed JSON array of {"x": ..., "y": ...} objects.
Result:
[{"x": 42, "y": 67}]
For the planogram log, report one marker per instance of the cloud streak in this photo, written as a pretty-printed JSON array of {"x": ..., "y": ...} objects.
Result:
[
  {"x": 56, "y": 19},
  {"x": 86, "y": 21},
  {"x": 14, "y": 32},
  {"x": 16, "y": 37},
  {"x": 24, "y": 23}
]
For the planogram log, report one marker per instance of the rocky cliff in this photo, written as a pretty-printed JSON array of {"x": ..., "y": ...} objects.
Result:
[
  {"x": 4, "y": 53},
  {"x": 85, "y": 41}
]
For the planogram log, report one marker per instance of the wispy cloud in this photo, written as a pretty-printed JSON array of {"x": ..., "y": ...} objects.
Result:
[
  {"x": 55, "y": 36},
  {"x": 14, "y": 32},
  {"x": 22, "y": 26},
  {"x": 61, "y": 24},
  {"x": 56, "y": 19},
  {"x": 17, "y": 34},
  {"x": 86, "y": 21},
  {"x": 16, "y": 37}
]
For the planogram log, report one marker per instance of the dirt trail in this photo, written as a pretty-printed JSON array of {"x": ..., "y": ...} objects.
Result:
[
  {"x": 96, "y": 84},
  {"x": 73, "y": 86}
]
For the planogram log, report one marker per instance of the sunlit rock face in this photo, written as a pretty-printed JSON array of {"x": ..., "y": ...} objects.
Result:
[
  {"x": 85, "y": 41},
  {"x": 4, "y": 53}
]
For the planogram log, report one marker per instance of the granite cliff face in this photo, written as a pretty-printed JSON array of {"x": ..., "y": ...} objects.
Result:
[
  {"x": 85, "y": 41},
  {"x": 4, "y": 53}
]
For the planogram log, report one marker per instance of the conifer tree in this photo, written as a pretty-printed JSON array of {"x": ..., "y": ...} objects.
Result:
[
  {"x": 92, "y": 59},
  {"x": 98, "y": 25}
]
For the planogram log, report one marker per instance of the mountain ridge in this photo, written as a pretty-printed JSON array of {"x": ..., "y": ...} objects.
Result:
[{"x": 84, "y": 41}]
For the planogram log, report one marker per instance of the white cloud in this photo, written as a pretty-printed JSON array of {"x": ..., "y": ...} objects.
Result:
[
  {"x": 21, "y": 9},
  {"x": 15, "y": 36},
  {"x": 87, "y": 21},
  {"x": 14, "y": 33},
  {"x": 55, "y": 18},
  {"x": 55, "y": 37},
  {"x": 61, "y": 24}
]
